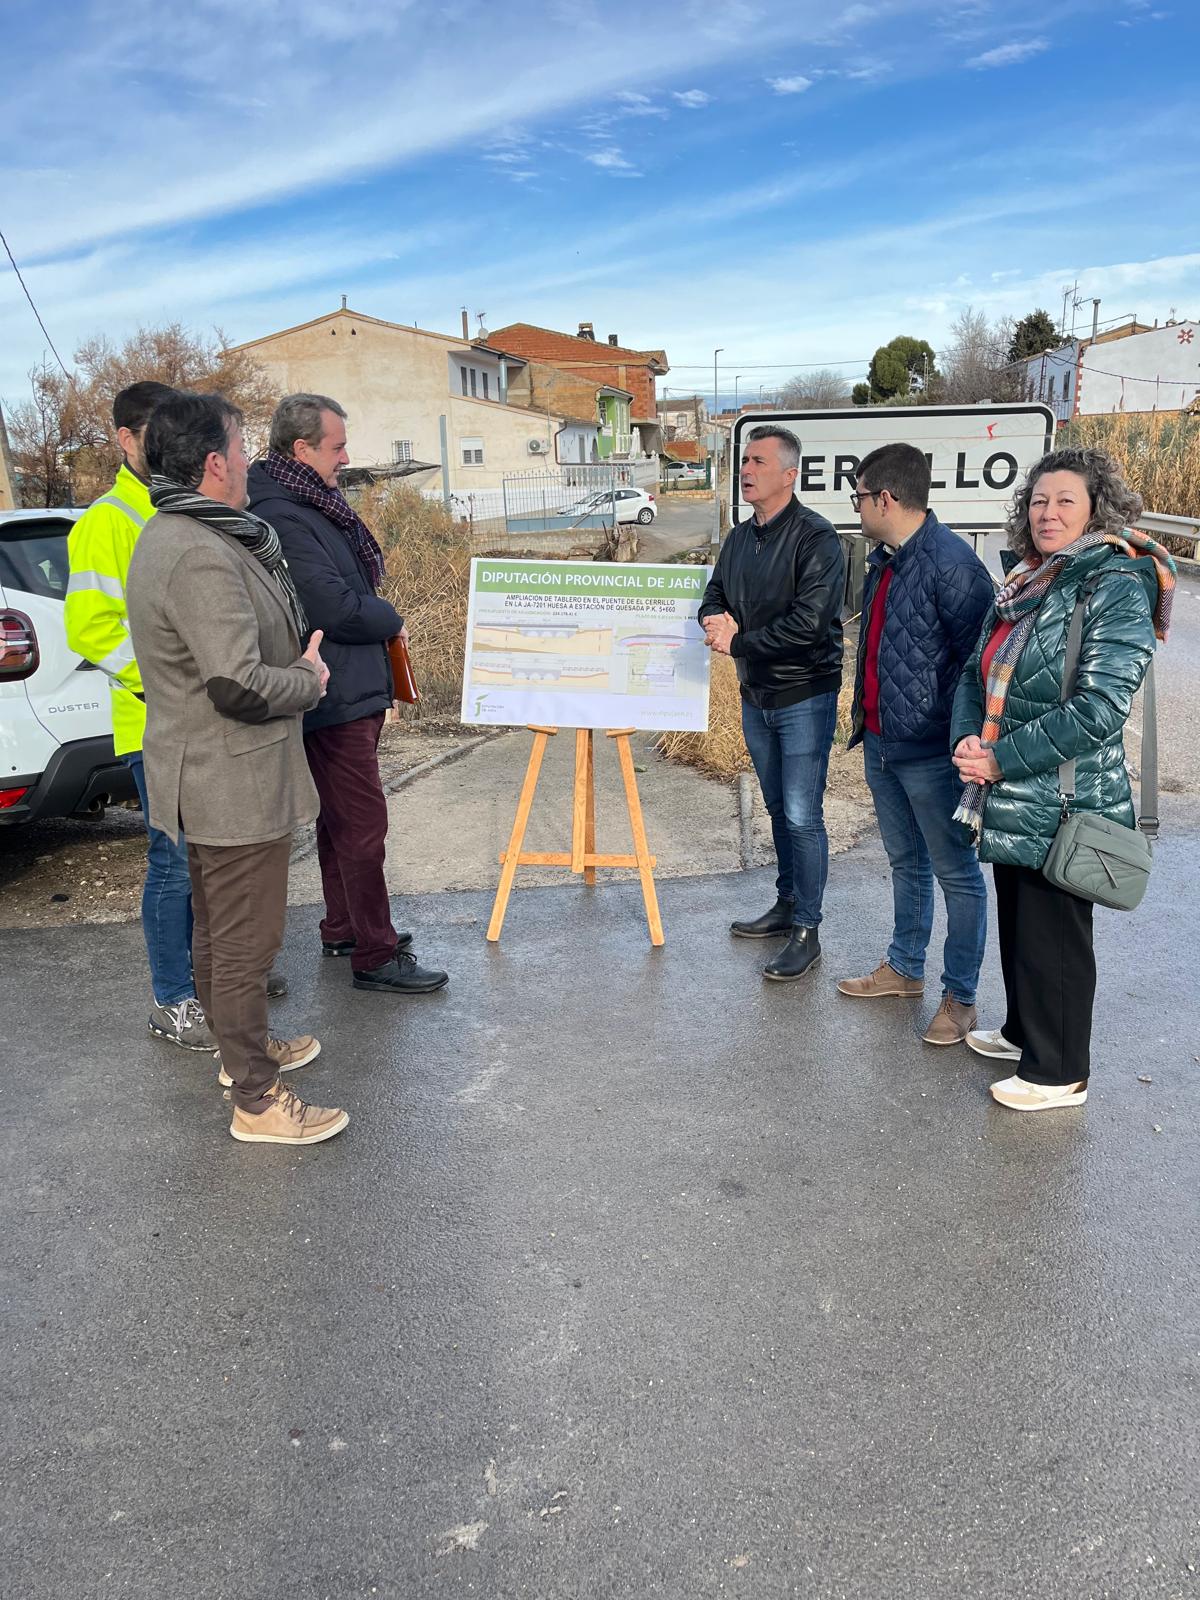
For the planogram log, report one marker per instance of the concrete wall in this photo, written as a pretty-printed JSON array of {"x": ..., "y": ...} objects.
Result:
[
  {"x": 1155, "y": 371},
  {"x": 395, "y": 383}
]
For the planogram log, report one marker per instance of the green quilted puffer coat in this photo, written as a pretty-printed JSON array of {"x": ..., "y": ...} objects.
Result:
[{"x": 1022, "y": 811}]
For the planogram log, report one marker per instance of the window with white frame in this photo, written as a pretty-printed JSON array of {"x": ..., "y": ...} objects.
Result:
[
  {"x": 484, "y": 376},
  {"x": 462, "y": 372},
  {"x": 402, "y": 450},
  {"x": 471, "y": 451}
]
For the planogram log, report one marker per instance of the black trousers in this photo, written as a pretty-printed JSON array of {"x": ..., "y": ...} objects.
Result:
[{"x": 1049, "y": 974}]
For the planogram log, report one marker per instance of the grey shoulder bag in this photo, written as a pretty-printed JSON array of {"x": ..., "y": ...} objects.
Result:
[{"x": 1093, "y": 857}]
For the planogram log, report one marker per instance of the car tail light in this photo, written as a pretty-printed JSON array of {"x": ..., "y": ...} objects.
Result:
[
  {"x": 9, "y": 797},
  {"x": 19, "y": 653},
  {"x": 649, "y": 496}
]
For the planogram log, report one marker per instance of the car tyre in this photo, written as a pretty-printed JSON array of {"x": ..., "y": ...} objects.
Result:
[{"x": 645, "y": 515}]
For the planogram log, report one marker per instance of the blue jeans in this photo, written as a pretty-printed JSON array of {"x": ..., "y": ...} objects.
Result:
[
  {"x": 166, "y": 905},
  {"x": 790, "y": 751},
  {"x": 914, "y": 802}
]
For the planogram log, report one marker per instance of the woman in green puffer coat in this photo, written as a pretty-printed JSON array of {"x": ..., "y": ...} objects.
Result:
[{"x": 1070, "y": 529}]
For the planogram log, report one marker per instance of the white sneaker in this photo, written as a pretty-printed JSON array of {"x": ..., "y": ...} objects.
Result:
[
  {"x": 1021, "y": 1096},
  {"x": 991, "y": 1042}
]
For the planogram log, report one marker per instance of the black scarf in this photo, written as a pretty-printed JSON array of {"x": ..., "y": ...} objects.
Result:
[{"x": 258, "y": 537}]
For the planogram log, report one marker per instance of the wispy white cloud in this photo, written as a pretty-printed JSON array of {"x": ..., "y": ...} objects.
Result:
[
  {"x": 1008, "y": 55},
  {"x": 793, "y": 85},
  {"x": 692, "y": 99},
  {"x": 611, "y": 160}
]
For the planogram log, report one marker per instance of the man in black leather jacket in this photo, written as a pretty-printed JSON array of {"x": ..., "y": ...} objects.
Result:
[{"x": 774, "y": 603}]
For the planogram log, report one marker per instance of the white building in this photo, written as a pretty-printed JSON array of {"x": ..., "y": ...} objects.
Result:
[
  {"x": 411, "y": 393},
  {"x": 1135, "y": 368}
]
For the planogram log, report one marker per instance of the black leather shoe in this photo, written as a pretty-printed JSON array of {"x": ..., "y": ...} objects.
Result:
[
  {"x": 771, "y": 925},
  {"x": 798, "y": 956},
  {"x": 402, "y": 975},
  {"x": 345, "y": 947},
  {"x": 276, "y": 986}
]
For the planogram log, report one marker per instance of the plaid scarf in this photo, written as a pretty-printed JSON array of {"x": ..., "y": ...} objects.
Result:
[
  {"x": 307, "y": 484},
  {"x": 1018, "y": 602},
  {"x": 258, "y": 537}
]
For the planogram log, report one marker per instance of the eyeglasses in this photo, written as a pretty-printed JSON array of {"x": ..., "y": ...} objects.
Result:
[{"x": 859, "y": 495}]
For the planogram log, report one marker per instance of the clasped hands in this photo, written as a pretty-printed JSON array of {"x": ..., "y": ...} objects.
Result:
[
  {"x": 975, "y": 761},
  {"x": 719, "y": 632}
]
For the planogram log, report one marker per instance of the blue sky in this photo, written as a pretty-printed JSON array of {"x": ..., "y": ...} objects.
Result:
[{"x": 795, "y": 181}]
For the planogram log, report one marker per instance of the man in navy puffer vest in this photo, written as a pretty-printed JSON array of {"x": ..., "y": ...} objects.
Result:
[{"x": 924, "y": 602}]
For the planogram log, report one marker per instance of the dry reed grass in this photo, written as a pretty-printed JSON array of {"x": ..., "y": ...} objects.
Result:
[
  {"x": 427, "y": 580},
  {"x": 1159, "y": 455},
  {"x": 721, "y": 752}
]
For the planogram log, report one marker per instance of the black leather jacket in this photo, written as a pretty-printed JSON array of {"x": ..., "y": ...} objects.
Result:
[{"x": 783, "y": 584}]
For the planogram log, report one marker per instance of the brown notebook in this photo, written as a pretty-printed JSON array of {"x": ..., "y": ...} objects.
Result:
[{"x": 404, "y": 685}]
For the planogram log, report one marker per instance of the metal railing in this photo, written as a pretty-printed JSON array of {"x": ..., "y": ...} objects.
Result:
[{"x": 1179, "y": 527}]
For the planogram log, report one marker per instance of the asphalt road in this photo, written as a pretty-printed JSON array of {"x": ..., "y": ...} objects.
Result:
[{"x": 632, "y": 1276}]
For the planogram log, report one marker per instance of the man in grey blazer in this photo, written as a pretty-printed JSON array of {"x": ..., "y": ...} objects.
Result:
[{"x": 216, "y": 627}]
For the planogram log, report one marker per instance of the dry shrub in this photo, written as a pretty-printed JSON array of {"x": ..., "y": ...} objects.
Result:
[
  {"x": 427, "y": 580},
  {"x": 721, "y": 752},
  {"x": 1159, "y": 455}
]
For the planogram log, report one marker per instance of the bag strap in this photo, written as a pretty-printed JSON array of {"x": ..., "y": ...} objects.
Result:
[{"x": 1148, "y": 785}]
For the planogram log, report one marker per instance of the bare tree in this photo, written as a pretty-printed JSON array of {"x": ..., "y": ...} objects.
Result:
[
  {"x": 176, "y": 356},
  {"x": 975, "y": 364},
  {"x": 821, "y": 389},
  {"x": 63, "y": 444},
  {"x": 44, "y": 439}
]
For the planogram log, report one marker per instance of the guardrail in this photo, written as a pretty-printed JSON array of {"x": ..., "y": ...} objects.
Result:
[{"x": 1179, "y": 527}]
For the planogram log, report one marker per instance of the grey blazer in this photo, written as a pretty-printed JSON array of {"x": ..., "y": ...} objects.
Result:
[{"x": 225, "y": 688}]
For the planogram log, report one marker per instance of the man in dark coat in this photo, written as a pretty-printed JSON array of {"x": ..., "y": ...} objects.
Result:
[
  {"x": 337, "y": 567},
  {"x": 924, "y": 601},
  {"x": 774, "y": 603}
]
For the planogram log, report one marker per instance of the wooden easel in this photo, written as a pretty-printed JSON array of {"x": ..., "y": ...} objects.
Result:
[{"x": 582, "y": 857}]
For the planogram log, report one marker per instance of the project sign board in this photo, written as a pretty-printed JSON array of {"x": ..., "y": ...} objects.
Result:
[
  {"x": 585, "y": 644},
  {"x": 979, "y": 454}
]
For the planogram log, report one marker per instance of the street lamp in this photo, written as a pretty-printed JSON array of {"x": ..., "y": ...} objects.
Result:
[{"x": 716, "y": 538}]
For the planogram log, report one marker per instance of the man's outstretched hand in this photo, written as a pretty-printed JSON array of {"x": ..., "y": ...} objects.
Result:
[{"x": 313, "y": 654}]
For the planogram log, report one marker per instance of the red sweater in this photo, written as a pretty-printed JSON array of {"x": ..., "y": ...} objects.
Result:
[
  {"x": 870, "y": 702},
  {"x": 999, "y": 633}
]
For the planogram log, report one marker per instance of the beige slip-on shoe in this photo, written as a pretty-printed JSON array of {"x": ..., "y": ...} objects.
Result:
[{"x": 1018, "y": 1095}]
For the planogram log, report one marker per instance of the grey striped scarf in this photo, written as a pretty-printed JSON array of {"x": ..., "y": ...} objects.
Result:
[{"x": 259, "y": 537}]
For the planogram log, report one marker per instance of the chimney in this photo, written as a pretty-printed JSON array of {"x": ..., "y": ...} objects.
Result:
[
  {"x": 612, "y": 339},
  {"x": 466, "y": 325},
  {"x": 586, "y": 331},
  {"x": 343, "y": 302}
]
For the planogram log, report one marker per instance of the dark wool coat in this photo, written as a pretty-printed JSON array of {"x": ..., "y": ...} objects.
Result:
[{"x": 337, "y": 597}]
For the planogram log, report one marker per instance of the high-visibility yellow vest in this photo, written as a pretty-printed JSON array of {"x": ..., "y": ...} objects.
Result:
[{"x": 99, "y": 548}]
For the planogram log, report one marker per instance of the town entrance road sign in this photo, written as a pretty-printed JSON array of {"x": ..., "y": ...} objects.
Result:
[{"x": 979, "y": 454}]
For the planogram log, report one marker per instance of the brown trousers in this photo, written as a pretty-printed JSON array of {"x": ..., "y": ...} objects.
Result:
[{"x": 239, "y": 902}]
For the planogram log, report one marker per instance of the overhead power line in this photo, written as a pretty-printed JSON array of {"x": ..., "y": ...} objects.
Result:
[{"x": 32, "y": 307}]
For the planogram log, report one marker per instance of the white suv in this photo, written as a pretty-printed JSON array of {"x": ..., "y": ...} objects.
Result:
[{"x": 56, "y": 747}]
